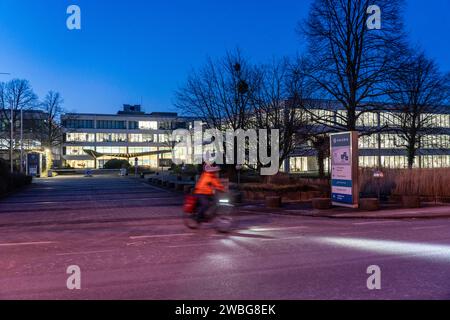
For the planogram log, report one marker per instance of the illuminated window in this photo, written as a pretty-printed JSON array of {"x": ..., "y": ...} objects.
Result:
[
  {"x": 111, "y": 137},
  {"x": 77, "y": 150},
  {"x": 80, "y": 137},
  {"x": 148, "y": 125}
]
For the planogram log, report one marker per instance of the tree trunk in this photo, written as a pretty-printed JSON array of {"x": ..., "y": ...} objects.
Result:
[
  {"x": 411, "y": 157},
  {"x": 320, "y": 163}
]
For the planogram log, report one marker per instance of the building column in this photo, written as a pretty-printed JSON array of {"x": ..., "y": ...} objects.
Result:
[{"x": 287, "y": 165}]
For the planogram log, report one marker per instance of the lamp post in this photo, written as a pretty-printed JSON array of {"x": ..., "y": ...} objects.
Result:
[
  {"x": 21, "y": 140},
  {"x": 12, "y": 133},
  {"x": 11, "y": 141},
  {"x": 239, "y": 168}
]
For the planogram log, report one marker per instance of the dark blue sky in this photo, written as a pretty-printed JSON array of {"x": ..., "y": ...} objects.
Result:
[{"x": 143, "y": 49}]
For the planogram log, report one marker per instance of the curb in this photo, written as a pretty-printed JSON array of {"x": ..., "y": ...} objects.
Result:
[{"x": 363, "y": 215}]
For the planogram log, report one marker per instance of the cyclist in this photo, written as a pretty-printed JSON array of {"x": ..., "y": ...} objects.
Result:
[{"x": 205, "y": 189}]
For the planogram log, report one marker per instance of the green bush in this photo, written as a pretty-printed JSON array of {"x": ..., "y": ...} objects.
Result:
[{"x": 117, "y": 164}]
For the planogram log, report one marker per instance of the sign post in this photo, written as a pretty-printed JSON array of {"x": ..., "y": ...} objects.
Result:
[
  {"x": 136, "y": 164},
  {"x": 344, "y": 169}
]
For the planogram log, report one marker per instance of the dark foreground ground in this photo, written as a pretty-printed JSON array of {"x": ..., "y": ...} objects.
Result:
[{"x": 129, "y": 242}]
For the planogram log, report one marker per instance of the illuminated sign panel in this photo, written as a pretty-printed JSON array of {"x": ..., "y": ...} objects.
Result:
[{"x": 344, "y": 169}]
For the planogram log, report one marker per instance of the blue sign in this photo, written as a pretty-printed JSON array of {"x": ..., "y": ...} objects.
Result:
[{"x": 342, "y": 169}]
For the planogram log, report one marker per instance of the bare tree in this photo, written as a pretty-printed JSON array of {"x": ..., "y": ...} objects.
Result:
[
  {"x": 15, "y": 96},
  {"x": 419, "y": 92},
  {"x": 219, "y": 93},
  {"x": 52, "y": 131},
  {"x": 348, "y": 62},
  {"x": 275, "y": 105}
]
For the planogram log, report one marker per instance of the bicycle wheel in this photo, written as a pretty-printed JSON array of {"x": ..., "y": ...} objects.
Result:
[{"x": 190, "y": 221}]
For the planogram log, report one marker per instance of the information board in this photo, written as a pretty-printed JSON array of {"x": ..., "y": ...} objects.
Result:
[{"x": 344, "y": 169}]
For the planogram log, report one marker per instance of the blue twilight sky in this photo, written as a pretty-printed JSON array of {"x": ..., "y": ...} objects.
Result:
[{"x": 134, "y": 50}]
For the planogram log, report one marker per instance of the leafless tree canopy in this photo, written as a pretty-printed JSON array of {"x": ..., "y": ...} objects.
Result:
[
  {"x": 17, "y": 95},
  {"x": 275, "y": 104},
  {"x": 232, "y": 93},
  {"x": 349, "y": 62},
  {"x": 219, "y": 93},
  {"x": 418, "y": 91},
  {"x": 52, "y": 130}
]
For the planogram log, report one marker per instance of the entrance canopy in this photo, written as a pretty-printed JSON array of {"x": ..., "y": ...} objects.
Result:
[{"x": 97, "y": 155}]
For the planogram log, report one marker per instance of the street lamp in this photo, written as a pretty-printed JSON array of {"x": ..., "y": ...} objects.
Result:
[
  {"x": 12, "y": 134},
  {"x": 21, "y": 140}
]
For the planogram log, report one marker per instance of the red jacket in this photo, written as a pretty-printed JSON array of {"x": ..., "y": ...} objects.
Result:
[{"x": 208, "y": 183}]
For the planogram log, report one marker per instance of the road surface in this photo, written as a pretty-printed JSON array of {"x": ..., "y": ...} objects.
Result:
[{"x": 129, "y": 243}]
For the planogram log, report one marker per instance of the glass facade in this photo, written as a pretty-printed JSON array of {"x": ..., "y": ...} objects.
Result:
[
  {"x": 111, "y": 150},
  {"x": 111, "y": 124},
  {"x": 120, "y": 136},
  {"x": 77, "y": 150},
  {"x": 80, "y": 137},
  {"x": 111, "y": 137},
  {"x": 298, "y": 164},
  {"x": 148, "y": 125},
  {"x": 80, "y": 164},
  {"x": 78, "y": 124},
  {"x": 367, "y": 119},
  {"x": 393, "y": 141},
  {"x": 139, "y": 137},
  {"x": 139, "y": 134}
]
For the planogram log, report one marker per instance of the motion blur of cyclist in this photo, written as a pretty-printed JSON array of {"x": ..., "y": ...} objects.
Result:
[{"x": 205, "y": 189}]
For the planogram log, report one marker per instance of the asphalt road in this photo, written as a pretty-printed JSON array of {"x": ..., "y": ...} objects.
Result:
[{"x": 129, "y": 243}]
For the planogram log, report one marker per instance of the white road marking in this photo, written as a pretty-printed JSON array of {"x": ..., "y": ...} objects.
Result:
[
  {"x": 99, "y": 200},
  {"x": 26, "y": 243},
  {"x": 360, "y": 232},
  {"x": 429, "y": 227},
  {"x": 82, "y": 253},
  {"x": 279, "y": 239},
  {"x": 194, "y": 245},
  {"x": 374, "y": 222},
  {"x": 276, "y": 229},
  {"x": 161, "y": 236}
]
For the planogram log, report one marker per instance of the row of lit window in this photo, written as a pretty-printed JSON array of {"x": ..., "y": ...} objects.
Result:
[
  {"x": 28, "y": 144},
  {"x": 401, "y": 162},
  {"x": 305, "y": 164},
  {"x": 116, "y": 137},
  {"x": 122, "y": 124},
  {"x": 370, "y": 119},
  {"x": 79, "y": 151},
  {"x": 393, "y": 141}
]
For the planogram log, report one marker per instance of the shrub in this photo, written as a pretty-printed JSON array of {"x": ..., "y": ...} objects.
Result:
[
  {"x": 10, "y": 181},
  {"x": 4, "y": 168},
  {"x": 187, "y": 169},
  {"x": 117, "y": 164},
  {"x": 265, "y": 187},
  {"x": 421, "y": 182},
  {"x": 3, "y": 185}
]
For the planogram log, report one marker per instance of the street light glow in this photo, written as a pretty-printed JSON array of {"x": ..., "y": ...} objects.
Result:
[{"x": 418, "y": 250}]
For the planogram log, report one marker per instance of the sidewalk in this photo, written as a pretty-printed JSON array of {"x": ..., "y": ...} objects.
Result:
[{"x": 305, "y": 209}]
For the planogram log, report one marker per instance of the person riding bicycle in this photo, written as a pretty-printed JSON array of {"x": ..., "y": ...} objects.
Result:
[{"x": 205, "y": 189}]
